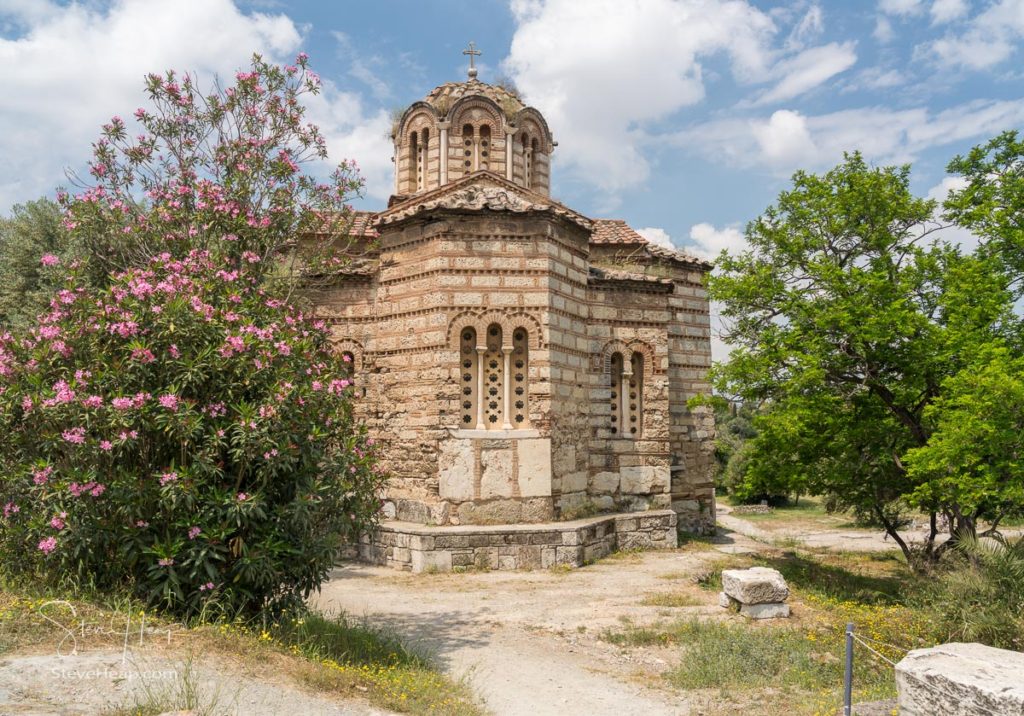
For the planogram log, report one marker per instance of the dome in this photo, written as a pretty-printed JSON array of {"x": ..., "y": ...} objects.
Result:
[
  {"x": 461, "y": 128},
  {"x": 443, "y": 98}
]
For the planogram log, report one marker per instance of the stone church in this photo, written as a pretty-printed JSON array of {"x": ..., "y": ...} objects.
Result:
[{"x": 518, "y": 362}]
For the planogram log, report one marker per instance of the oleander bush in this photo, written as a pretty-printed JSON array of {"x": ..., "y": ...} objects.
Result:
[{"x": 182, "y": 434}]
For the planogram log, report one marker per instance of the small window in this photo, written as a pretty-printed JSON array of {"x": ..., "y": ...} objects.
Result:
[
  {"x": 468, "y": 370},
  {"x": 636, "y": 395},
  {"x": 520, "y": 371},
  {"x": 615, "y": 396}
]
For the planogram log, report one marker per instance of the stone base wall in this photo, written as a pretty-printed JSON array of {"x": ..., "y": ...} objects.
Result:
[{"x": 418, "y": 548}]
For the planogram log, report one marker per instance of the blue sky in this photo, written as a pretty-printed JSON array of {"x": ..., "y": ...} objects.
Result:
[{"x": 684, "y": 117}]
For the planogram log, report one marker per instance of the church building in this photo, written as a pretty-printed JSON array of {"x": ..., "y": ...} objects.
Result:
[{"x": 518, "y": 362}]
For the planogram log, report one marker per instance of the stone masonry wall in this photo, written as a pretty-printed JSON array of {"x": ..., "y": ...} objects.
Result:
[{"x": 417, "y": 548}]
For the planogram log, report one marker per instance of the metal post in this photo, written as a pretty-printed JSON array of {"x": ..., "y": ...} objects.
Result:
[{"x": 848, "y": 677}]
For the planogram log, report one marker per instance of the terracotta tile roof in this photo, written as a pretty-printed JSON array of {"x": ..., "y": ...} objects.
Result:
[
  {"x": 362, "y": 224},
  {"x": 614, "y": 231},
  {"x": 674, "y": 254}
]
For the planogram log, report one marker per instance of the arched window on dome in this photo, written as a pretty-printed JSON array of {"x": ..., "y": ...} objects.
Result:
[
  {"x": 534, "y": 147},
  {"x": 527, "y": 162},
  {"x": 421, "y": 162},
  {"x": 468, "y": 136},
  {"x": 484, "y": 148},
  {"x": 414, "y": 157}
]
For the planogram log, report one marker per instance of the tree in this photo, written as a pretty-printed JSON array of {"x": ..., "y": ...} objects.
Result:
[
  {"x": 32, "y": 230},
  {"x": 173, "y": 425},
  {"x": 846, "y": 317},
  {"x": 183, "y": 435},
  {"x": 219, "y": 172},
  {"x": 991, "y": 204}
]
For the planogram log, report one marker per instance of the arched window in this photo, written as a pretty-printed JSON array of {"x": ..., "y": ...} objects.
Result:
[
  {"x": 421, "y": 163},
  {"x": 520, "y": 372},
  {"x": 468, "y": 147},
  {"x": 534, "y": 144},
  {"x": 527, "y": 162},
  {"x": 484, "y": 149},
  {"x": 493, "y": 379},
  {"x": 414, "y": 158},
  {"x": 636, "y": 395},
  {"x": 468, "y": 370},
  {"x": 615, "y": 375}
]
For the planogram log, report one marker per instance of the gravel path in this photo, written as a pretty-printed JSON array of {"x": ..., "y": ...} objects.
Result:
[
  {"x": 97, "y": 682},
  {"x": 529, "y": 642}
]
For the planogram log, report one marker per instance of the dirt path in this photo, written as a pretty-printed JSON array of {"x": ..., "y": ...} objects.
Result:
[
  {"x": 103, "y": 680},
  {"x": 529, "y": 642}
]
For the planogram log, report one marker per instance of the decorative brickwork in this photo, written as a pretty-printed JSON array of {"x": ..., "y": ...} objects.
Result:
[{"x": 517, "y": 361}]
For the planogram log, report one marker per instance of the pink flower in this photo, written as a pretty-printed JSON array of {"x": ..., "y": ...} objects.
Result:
[
  {"x": 141, "y": 523},
  {"x": 57, "y": 523},
  {"x": 168, "y": 477},
  {"x": 122, "y": 403},
  {"x": 242, "y": 497},
  {"x": 166, "y": 562},
  {"x": 143, "y": 355},
  {"x": 194, "y": 532},
  {"x": 206, "y": 587},
  {"x": 169, "y": 401},
  {"x": 250, "y": 257},
  {"x": 106, "y": 445},
  {"x": 27, "y": 404},
  {"x": 93, "y": 401},
  {"x": 173, "y": 350},
  {"x": 75, "y": 436},
  {"x": 49, "y": 260},
  {"x": 47, "y": 545},
  {"x": 10, "y": 509},
  {"x": 40, "y": 477}
]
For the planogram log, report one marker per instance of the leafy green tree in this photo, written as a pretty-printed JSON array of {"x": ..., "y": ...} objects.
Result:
[
  {"x": 32, "y": 231},
  {"x": 991, "y": 204},
  {"x": 846, "y": 316}
]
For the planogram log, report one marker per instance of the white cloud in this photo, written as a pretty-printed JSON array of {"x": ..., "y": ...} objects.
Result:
[
  {"x": 811, "y": 25},
  {"x": 788, "y": 140},
  {"x": 901, "y": 7},
  {"x": 70, "y": 68},
  {"x": 944, "y": 11},
  {"x": 709, "y": 242},
  {"x": 582, "y": 66},
  {"x": 602, "y": 91},
  {"x": 988, "y": 39},
  {"x": 876, "y": 78},
  {"x": 883, "y": 30},
  {"x": 657, "y": 236},
  {"x": 809, "y": 69}
]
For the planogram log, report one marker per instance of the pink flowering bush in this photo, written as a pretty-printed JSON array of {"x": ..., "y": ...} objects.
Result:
[
  {"x": 183, "y": 434},
  {"x": 219, "y": 171}
]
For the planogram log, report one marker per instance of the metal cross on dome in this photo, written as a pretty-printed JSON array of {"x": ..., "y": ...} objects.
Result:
[{"x": 472, "y": 52}]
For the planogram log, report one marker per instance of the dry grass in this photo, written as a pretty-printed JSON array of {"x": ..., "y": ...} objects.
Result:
[{"x": 672, "y": 599}]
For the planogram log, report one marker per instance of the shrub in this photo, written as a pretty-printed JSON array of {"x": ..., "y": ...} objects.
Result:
[
  {"x": 980, "y": 596},
  {"x": 184, "y": 435}
]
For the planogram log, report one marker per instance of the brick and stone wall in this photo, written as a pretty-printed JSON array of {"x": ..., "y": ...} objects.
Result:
[{"x": 419, "y": 548}]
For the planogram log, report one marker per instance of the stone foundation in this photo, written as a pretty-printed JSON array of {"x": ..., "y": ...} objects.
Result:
[{"x": 419, "y": 548}]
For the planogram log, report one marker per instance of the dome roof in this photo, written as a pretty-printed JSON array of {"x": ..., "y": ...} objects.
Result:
[{"x": 444, "y": 97}]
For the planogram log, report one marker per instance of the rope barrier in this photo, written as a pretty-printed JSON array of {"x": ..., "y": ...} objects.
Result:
[{"x": 935, "y": 688}]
